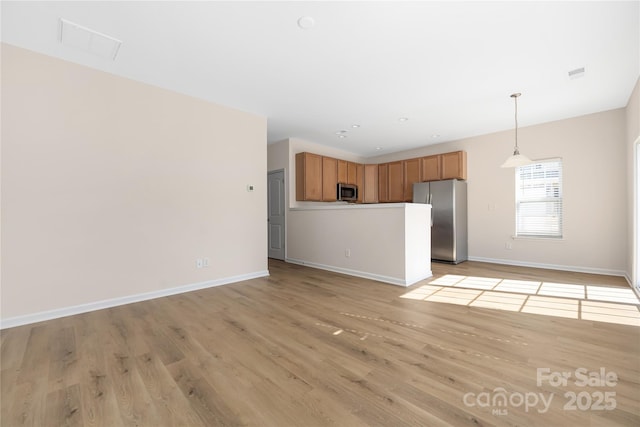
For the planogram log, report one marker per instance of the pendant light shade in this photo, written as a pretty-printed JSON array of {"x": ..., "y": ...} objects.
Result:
[{"x": 517, "y": 159}]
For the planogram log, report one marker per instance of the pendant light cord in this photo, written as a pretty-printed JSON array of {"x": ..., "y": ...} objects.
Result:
[{"x": 515, "y": 99}]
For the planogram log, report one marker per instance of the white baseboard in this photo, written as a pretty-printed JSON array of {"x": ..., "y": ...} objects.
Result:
[
  {"x": 378, "y": 277},
  {"x": 550, "y": 266},
  {"x": 98, "y": 305},
  {"x": 628, "y": 278},
  {"x": 635, "y": 289}
]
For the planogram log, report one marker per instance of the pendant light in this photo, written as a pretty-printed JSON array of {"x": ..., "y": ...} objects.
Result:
[{"x": 517, "y": 159}]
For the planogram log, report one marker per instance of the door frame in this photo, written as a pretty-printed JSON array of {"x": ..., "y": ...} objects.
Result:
[
  {"x": 635, "y": 267},
  {"x": 284, "y": 210}
]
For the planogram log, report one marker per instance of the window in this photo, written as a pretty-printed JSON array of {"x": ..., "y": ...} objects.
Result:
[{"x": 539, "y": 199}]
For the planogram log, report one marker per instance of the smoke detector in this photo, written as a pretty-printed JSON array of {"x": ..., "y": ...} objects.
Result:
[{"x": 306, "y": 22}]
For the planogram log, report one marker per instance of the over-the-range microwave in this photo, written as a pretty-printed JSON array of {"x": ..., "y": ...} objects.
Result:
[{"x": 347, "y": 192}]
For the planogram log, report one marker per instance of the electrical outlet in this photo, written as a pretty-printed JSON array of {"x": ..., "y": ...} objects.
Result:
[
  {"x": 206, "y": 262},
  {"x": 199, "y": 263},
  {"x": 347, "y": 253},
  {"x": 508, "y": 246}
]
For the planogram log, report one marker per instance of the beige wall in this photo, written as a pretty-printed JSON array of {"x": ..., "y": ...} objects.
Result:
[
  {"x": 632, "y": 138},
  {"x": 595, "y": 200},
  {"x": 113, "y": 188}
]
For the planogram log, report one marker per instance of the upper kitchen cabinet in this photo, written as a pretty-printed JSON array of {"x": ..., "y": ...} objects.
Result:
[
  {"x": 383, "y": 182},
  {"x": 391, "y": 182},
  {"x": 352, "y": 169},
  {"x": 444, "y": 166},
  {"x": 342, "y": 171},
  {"x": 396, "y": 181},
  {"x": 329, "y": 179},
  {"x": 454, "y": 165},
  {"x": 431, "y": 168},
  {"x": 370, "y": 184},
  {"x": 367, "y": 182},
  {"x": 411, "y": 170},
  {"x": 360, "y": 182},
  {"x": 347, "y": 172},
  {"x": 308, "y": 177}
]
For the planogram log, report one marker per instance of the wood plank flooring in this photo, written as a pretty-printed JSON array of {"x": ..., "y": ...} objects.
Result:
[{"x": 306, "y": 347}]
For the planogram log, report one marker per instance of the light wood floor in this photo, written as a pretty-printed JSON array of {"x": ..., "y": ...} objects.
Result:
[{"x": 305, "y": 347}]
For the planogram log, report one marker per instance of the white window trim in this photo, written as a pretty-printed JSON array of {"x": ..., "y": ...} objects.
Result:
[{"x": 546, "y": 238}]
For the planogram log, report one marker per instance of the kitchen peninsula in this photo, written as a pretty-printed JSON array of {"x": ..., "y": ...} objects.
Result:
[{"x": 388, "y": 242}]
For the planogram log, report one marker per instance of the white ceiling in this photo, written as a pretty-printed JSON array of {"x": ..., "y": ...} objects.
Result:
[{"x": 449, "y": 67}]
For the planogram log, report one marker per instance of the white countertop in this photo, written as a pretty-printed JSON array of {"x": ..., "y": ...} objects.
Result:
[{"x": 334, "y": 206}]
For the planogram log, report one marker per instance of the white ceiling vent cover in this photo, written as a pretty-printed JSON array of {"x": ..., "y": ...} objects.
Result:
[
  {"x": 83, "y": 38},
  {"x": 576, "y": 74}
]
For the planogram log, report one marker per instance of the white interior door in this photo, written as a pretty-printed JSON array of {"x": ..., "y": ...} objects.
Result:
[{"x": 276, "y": 220}]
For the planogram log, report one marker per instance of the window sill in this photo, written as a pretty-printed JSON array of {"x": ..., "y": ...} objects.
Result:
[{"x": 546, "y": 239}]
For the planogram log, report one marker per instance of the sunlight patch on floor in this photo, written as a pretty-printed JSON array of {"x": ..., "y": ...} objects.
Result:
[
  {"x": 588, "y": 302},
  {"x": 478, "y": 283},
  {"x": 448, "y": 280},
  {"x": 549, "y": 306},
  {"x": 422, "y": 292},
  {"x": 518, "y": 286},
  {"x": 604, "y": 293},
  {"x": 610, "y": 312},
  {"x": 562, "y": 290},
  {"x": 454, "y": 296},
  {"x": 499, "y": 300}
]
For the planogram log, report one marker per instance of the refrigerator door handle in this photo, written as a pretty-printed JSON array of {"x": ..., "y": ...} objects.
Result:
[{"x": 430, "y": 202}]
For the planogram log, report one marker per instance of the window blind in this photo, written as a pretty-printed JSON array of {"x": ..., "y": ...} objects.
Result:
[{"x": 539, "y": 199}]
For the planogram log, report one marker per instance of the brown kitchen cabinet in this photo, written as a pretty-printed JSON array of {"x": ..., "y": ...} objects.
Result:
[
  {"x": 360, "y": 182},
  {"x": 342, "y": 171},
  {"x": 411, "y": 169},
  {"x": 370, "y": 184},
  {"x": 308, "y": 177},
  {"x": 431, "y": 167},
  {"x": 329, "y": 179},
  {"x": 317, "y": 176},
  {"x": 367, "y": 182},
  {"x": 396, "y": 181},
  {"x": 383, "y": 182},
  {"x": 352, "y": 169},
  {"x": 444, "y": 166},
  {"x": 391, "y": 182},
  {"x": 454, "y": 165},
  {"x": 347, "y": 172}
]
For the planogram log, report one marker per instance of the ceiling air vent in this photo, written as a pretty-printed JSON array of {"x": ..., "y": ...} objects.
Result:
[
  {"x": 577, "y": 73},
  {"x": 83, "y": 38}
]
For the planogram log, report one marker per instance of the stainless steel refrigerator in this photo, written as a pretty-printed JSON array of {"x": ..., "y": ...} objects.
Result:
[{"x": 448, "y": 200}]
